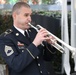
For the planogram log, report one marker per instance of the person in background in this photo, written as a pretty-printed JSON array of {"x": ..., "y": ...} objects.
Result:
[
  {"x": 2, "y": 1},
  {"x": 23, "y": 48}
]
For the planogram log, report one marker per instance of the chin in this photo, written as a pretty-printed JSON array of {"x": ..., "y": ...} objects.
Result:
[{"x": 27, "y": 27}]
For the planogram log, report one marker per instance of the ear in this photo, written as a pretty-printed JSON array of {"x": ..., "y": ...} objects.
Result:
[{"x": 14, "y": 15}]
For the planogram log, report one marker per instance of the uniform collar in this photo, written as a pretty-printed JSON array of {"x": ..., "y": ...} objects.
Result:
[
  {"x": 19, "y": 36},
  {"x": 20, "y": 30}
]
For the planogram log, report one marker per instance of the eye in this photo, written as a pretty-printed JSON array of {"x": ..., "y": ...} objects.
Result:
[{"x": 26, "y": 15}]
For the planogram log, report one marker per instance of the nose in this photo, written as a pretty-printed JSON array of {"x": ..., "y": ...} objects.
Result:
[{"x": 29, "y": 18}]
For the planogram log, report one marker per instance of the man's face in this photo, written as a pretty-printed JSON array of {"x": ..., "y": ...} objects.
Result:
[{"x": 22, "y": 18}]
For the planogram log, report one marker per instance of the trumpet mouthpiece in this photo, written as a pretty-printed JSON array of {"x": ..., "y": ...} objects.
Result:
[{"x": 29, "y": 24}]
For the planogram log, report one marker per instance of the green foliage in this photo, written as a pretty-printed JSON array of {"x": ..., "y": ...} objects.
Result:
[
  {"x": 5, "y": 22},
  {"x": 47, "y": 1},
  {"x": 55, "y": 14}
]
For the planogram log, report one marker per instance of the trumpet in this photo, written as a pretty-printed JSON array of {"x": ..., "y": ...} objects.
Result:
[{"x": 56, "y": 45}]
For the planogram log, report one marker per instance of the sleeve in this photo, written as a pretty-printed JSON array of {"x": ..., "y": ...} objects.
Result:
[
  {"x": 17, "y": 61},
  {"x": 49, "y": 52}
]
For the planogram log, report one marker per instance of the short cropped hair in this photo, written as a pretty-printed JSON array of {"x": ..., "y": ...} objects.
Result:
[{"x": 18, "y": 5}]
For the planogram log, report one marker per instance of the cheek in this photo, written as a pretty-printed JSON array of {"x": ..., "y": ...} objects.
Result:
[{"x": 21, "y": 20}]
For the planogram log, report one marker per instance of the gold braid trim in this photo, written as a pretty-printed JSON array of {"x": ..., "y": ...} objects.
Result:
[
  {"x": 50, "y": 50},
  {"x": 30, "y": 53}
]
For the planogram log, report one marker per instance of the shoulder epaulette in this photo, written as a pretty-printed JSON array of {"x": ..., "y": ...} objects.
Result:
[{"x": 8, "y": 31}]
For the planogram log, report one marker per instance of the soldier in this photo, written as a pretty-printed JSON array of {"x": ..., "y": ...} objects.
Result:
[{"x": 24, "y": 53}]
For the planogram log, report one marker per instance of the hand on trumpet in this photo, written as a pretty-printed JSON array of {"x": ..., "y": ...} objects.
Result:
[
  {"x": 51, "y": 40},
  {"x": 41, "y": 36}
]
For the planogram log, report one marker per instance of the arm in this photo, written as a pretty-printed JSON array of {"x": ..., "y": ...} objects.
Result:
[{"x": 15, "y": 60}]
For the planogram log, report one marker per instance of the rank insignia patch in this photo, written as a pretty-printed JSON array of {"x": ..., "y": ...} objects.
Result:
[{"x": 8, "y": 50}]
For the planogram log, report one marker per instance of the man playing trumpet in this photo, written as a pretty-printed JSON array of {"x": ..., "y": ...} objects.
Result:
[{"x": 23, "y": 48}]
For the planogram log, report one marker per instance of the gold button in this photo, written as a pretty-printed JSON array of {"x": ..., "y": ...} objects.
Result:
[
  {"x": 22, "y": 50},
  {"x": 37, "y": 57},
  {"x": 40, "y": 71},
  {"x": 17, "y": 34},
  {"x": 38, "y": 64}
]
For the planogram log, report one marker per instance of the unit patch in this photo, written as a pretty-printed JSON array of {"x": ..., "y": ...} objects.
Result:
[{"x": 8, "y": 50}]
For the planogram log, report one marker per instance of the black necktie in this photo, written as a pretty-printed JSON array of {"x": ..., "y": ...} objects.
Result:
[{"x": 26, "y": 34}]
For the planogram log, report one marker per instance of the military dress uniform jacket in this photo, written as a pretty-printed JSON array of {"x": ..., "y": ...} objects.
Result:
[{"x": 21, "y": 55}]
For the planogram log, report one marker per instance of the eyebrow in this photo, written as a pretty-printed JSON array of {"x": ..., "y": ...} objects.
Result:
[{"x": 28, "y": 13}]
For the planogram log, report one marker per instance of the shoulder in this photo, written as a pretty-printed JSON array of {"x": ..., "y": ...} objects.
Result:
[
  {"x": 7, "y": 32},
  {"x": 6, "y": 37}
]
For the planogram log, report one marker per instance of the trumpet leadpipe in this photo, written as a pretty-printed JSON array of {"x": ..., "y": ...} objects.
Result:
[{"x": 33, "y": 27}]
